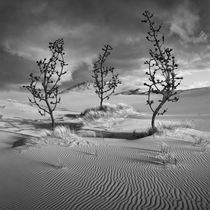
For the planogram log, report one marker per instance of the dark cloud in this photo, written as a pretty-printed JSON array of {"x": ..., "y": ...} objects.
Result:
[
  {"x": 168, "y": 4},
  {"x": 86, "y": 25},
  {"x": 14, "y": 69},
  {"x": 82, "y": 73}
]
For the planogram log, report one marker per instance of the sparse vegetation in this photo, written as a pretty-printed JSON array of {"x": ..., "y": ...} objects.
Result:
[
  {"x": 165, "y": 156},
  {"x": 200, "y": 142},
  {"x": 106, "y": 117},
  {"x": 109, "y": 116},
  {"x": 45, "y": 87},
  {"x": 105, "y": 78},
  {"x": 61, "y": 135},
  {"x": 119, "y": 109},
  {"x": 161, "y": 70},
  {"x": 171, "y": 125}
]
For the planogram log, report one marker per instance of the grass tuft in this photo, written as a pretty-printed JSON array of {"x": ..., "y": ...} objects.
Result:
[
  {"x": 108, "y": 116},
  {"x": 171, "y": 125},
  {"x": 165, "y": 156},
  {"x": 61, "y": 135},
  {"x": 108, "y": 110}
]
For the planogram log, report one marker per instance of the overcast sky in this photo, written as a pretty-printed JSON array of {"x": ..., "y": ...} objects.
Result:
[{"x": 27, "y": 26}]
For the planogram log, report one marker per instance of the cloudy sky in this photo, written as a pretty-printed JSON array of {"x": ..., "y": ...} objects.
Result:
[{"x": 27, "y": 26}]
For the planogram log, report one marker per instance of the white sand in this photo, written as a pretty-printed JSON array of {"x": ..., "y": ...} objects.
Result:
[
  {"x": 112, "y": 175},
  {"x": 156, "y": 172}
]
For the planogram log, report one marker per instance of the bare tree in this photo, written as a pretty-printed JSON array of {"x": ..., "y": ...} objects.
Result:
[
  {"x": 105, "y": 78},
  {"x": 161, "y": 70},
  {"x": 44, "y": 87}
]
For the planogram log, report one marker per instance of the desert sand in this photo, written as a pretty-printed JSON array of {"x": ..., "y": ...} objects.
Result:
[{"x": 105, "y": 165}]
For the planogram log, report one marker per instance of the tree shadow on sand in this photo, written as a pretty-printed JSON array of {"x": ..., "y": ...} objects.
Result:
[
  {"x": 47, "y": 125},
  {"x": 121, "y": 135},
  {"x": 21, "y": 141},
  {"x": 73, "y": 116},
  {"x": 23, "y": 124}
]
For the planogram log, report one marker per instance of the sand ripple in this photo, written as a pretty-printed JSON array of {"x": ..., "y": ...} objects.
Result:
[{"x": 105, "y": 177}]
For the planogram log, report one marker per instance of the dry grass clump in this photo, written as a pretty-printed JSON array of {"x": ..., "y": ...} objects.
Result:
[
  {"x": 165, "y": 156},
  {"x": 119, "y": 110},
  {"x": 200, "y": 143},
  {"x": 108, "y": 116},
  {"x": 172, "y": 125},
  {"x": 183, "y": 131},
  {"x": 61, "y": 135}
]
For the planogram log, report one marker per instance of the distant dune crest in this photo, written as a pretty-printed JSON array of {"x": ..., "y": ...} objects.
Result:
[
  {"x": 139, "y": 91},
  {"x": 82, "y": 86}
]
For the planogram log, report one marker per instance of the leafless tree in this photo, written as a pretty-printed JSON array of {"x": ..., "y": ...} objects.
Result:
[
  {"x": 44, "y": 87},
  {"x": 105, "y": 78},
  {"x": 161, "y": 70}
]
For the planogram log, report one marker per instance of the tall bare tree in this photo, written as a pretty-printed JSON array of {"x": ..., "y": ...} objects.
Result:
[
  {"x": 105, "y": 78},
  {"x": 44, "y": 88},
  {"x": 161, "y": 70}
]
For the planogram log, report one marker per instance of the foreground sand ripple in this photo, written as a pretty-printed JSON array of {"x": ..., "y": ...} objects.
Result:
[{"x": 119, "y": 176}]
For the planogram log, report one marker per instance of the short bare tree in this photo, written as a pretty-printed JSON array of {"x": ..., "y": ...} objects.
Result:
[
  {"x": 45, "y": 87},
  {"x": 161, "y": 70},
  {"x": 105, "y": 78}
]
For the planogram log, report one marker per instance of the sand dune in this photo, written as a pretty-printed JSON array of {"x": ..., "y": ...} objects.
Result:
[
  {"x": 106, "y": 176},
  {"x": 165, "y": 171}
]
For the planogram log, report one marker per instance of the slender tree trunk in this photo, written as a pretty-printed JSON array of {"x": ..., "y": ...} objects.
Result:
[
  {"x": 101, "y": 103},
  {"x": 52, "y": 121},
  {"x": 155, "y": 113},
  {"x": 153, "y": 119},
  {"x": 50, "y": 112}
]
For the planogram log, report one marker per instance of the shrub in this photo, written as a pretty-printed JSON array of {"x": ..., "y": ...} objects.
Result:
[
  {"x": 161, "y": 70},
  {"x": 105, "y": 78},
  {"x": 45, "y": 87}
]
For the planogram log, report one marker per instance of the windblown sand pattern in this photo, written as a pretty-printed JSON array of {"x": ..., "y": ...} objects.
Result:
[{"x": 120, "y": 175}]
